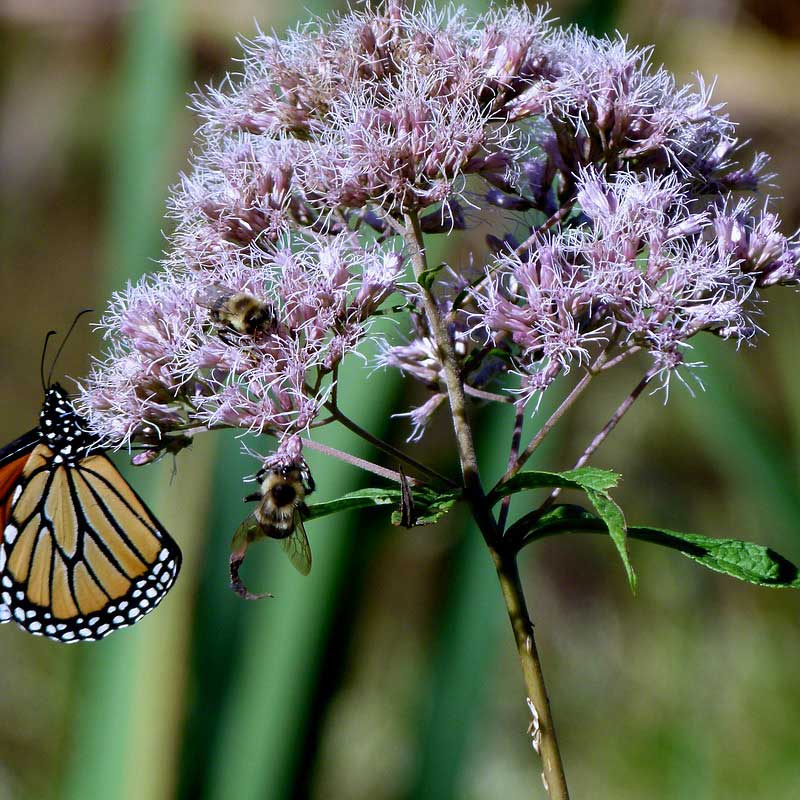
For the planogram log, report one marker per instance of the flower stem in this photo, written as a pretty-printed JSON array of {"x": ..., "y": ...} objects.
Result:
[
  {"x": 602, "y": 435},
  {"x": 555, "y": 782},
  {"x": 562, "y": 212},
  {"x": 355, "y": 461},
  {"x": 482, "y": 394},
  {"x": 562, "y": 409},
  {"x": 387, "y": 448},
  {"x": 504, "y": 559},
  {"x": 615, "y": 418},
  {"x": 516, "y": 438}
]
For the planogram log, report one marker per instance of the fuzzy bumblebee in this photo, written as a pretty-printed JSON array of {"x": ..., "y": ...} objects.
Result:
[
  {"x": 237, "y": 311},
  {"x": 278, "y": 515}
]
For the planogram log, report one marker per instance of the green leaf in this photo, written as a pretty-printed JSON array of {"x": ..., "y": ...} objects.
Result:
[
  {"x": 584, "y": 478},
  {"x": 614, "y": 519},
  {"x": 746, "y": 561},
  {"x": 428, "y": 276},
  {"x": 595, "y": 483},
  {"x": 430, "y": 505},
  {"x": 593, "y": 478},
  {"x": 363, "y": 498}
]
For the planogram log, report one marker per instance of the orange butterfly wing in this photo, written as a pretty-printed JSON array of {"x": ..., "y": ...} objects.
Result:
[{"x": 81, "y": 555}]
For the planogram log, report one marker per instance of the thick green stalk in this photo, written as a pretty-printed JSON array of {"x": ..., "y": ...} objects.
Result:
[{"x": 505, "y": 562}]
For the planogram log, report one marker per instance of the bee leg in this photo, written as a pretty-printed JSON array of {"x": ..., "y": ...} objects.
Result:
[
  {"x": 226, "y": 339},
  {"x": 237, "y": 585},
  {"x": 252, "y": 497}
]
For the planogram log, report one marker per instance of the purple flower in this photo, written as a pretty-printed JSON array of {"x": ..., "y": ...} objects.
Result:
[
  {"x": 309, "y": 162},
  {"x": 171, "y": 366}
]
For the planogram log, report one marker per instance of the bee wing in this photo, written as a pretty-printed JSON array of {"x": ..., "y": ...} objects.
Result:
[
  {"x": 297, "y": 547},
  {"x": 250, "y": 530},
  {"x": 209, "y": 295}
]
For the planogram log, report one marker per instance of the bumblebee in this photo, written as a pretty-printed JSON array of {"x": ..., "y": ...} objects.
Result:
[
  {"x": 279, "y": 515},
  {"x": 237, "y": 311}
]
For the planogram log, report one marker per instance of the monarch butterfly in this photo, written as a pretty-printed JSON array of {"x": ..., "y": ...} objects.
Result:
[{"x": 80, "y": 554}]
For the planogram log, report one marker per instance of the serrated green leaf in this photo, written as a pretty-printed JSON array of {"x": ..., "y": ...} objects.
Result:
[
  {"x": 614, "y": 519},
  {"x": 746, "y": 561},
  {"x": 593, "y": 478},
  {"x": 584, "y": 478},
  {"x": 430, "y": 505},
  {"x": 595, "y": 483}
]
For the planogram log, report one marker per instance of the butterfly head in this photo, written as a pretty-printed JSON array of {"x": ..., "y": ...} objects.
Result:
[{"x": 62, "y": 429}]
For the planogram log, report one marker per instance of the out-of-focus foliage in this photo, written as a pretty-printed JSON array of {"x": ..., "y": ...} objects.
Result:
[{"x": 389, "y": 672}]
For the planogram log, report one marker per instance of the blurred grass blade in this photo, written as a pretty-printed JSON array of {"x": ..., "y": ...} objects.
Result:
[
  {"x": 751, "y": 454},
  {"x": 469, "y": 628},
  {"x": 126, "y": 723},
  {"x": 151, "y": 95},
  {"x": 283, "y": 640}
]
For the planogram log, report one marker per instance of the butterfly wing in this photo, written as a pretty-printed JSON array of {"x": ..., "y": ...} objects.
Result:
[
  {"x": 297, "y": 547},
  {"x": 12, "y": 462},
  {"x": 23, "y": 446},
  {"x": 81, "y": 554}
]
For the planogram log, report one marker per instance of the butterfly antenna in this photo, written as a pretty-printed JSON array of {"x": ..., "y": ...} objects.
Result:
[
  {"x": 63, "y": 342},
  {"x": 44, "y": 353}
]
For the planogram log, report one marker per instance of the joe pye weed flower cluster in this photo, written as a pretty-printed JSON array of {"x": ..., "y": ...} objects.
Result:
[{"x": 621, "y": 220}]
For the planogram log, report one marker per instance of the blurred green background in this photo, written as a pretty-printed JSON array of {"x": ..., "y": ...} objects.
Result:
[{"x": 390, "y": 672}]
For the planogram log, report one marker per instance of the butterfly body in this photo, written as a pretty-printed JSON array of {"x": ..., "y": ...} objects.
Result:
[{"x": 80, "y": 554}]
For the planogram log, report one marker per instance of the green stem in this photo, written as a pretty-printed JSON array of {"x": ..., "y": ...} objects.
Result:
[
  {"x": 384, "y": 446},
  {"x": 504, "y": 560},
  {"x": 602, "y": 435},
  {"x": 555, "y": 781}
]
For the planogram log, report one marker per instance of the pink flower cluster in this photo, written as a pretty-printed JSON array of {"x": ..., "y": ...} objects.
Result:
[
  {"x": 607, "y": 188},
  {"x": 640, "y": 270},
  {"x": 174, "y": 365}
]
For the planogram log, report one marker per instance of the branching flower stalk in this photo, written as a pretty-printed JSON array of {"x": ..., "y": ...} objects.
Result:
[
  {"x": 619, "y": 220},
  {"x": 504, "y": 561}
]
